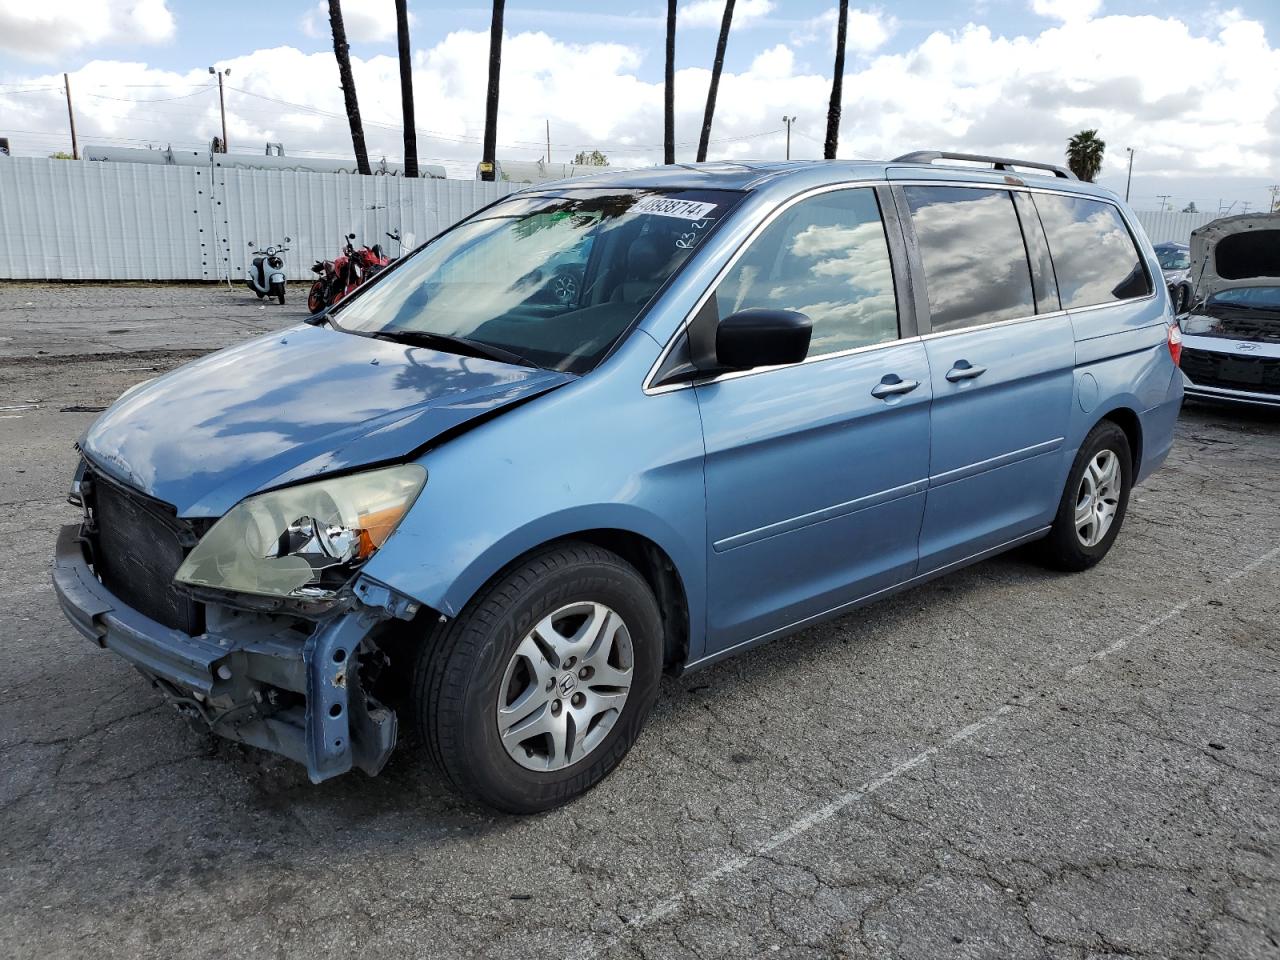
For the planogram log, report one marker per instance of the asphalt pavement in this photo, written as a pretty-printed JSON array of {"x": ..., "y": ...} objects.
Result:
[{"x": 1005, "y": 763}]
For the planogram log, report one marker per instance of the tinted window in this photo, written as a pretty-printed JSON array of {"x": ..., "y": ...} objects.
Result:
[
  {"x": 827, "y": 258},
  {"x": 1094, "y": 255},
  {"x": 975, "y": 262}
]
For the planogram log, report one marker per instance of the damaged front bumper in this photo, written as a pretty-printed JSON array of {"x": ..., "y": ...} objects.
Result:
[{"x": 286, "y": 685}]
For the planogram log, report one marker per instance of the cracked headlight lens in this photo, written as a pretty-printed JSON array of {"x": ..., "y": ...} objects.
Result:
[{"x": 303, "y": 541}]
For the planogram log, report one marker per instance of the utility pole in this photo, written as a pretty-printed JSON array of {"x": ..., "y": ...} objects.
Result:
[
  {"x": 548, "y": 141},
  {"x": 1129, "y": 182},
  {"x": 75, "y": 147},
  {"x": 1162, "y": 197},
  {"x": 222, "y": 103},
  {"x": 1275, "y": 189},
  {"x": 788, "y": 121},
  {"x": 1245, "y": 207}
]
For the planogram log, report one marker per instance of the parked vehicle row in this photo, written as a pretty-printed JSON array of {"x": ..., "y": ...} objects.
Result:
[{"x": 777, "y": 392}]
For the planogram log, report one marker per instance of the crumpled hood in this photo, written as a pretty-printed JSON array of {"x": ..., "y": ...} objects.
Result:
[
  {"x": 1239, "y": 251},
  {"x": 294, "y": 405}
]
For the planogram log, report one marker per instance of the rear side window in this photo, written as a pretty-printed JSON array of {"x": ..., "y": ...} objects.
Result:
[
  {"x": 1094, "y": 256},
  {"x": 975, "y": 260},
  {"x": 826, "y": 257}
]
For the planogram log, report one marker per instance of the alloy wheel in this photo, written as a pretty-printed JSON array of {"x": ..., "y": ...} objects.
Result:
[
  {"x": 1098, "y": 498},
  {"x": 565, "y": 686}
]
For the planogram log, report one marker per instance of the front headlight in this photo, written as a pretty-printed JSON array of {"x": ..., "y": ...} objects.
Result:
[{"x": 300, "y": 541}]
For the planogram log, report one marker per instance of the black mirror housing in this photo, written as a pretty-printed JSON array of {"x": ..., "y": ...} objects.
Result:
[{"x": 761, "y": 337}]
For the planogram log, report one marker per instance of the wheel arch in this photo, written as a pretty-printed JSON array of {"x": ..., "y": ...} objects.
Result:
[{"x": 1127, "y": 419}]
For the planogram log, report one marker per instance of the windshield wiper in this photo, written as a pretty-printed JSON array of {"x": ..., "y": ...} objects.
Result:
[{"x": 452, "y": 344}]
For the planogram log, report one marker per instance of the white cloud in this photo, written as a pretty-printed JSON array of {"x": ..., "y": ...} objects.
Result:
[
  {"x": 42, "y": 30},
  {"x": 969, "y": 90},
  {"x": 1068, "y": 11},
  {"x": 368, "y": 21},
  {"x": 709, "y": 13},
  {"x": 866, "y": 31}
]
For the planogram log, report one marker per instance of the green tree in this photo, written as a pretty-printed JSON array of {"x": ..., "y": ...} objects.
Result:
[
  {"x": 1084, "y": 154},
  {"x": 593, "y": 159},
  {"x": 669, "y": 90},
  {"x": 406, "y": 89},
  {"x": 1190, "y": 208},
  {"x": 61, "y": 155}
]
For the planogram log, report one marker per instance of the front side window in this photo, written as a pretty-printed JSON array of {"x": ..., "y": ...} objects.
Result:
[
  {"x": 1094, "y": 256},
  {"x": 552, "y": 281},
  {"x": 825, "y": 257},
  {"x": 975, "y": 260}
]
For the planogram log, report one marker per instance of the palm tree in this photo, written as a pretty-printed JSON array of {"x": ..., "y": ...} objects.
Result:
[
  {"x": 489, "y": 158},
  {"x": 716, "y": 67},
  {"x": 406, "y": 89},
  {"x": 837, "y": 86},
  {"x": 342, "y": 52},
  {"x": 1084, "y": 154},
  {"x": 669, "y": 96}
]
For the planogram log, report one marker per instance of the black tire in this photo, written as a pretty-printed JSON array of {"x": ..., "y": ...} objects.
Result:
[
  {"x": 459, "y": 670},
  {"x": 1063, "y": 549},
  {"x": 317, "y": 297},
  {"x": 277, "y": 291}
]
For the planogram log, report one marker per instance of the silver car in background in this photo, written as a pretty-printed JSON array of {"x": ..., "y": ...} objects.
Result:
[{"x": 1231, "y": 329}]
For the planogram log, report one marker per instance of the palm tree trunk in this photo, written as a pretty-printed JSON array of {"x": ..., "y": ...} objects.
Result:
[
  {"x": 406, "y": 89},
  {"x": 837, "y": 86},
  {"x": 716, "y": 67},
  {"x": 489, "y": 158},
  {"x": 340, "y": 50},
  {"x": 669, "y": 97}
]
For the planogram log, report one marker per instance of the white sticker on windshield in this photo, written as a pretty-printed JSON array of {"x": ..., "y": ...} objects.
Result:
[{"x": 670, "y": 207}]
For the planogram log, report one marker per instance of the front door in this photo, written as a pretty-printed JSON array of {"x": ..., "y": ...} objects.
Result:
[{"x": 815, "y": 472}]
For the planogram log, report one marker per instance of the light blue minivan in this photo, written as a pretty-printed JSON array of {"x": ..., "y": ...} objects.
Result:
[{"x": 461, "y": 499}]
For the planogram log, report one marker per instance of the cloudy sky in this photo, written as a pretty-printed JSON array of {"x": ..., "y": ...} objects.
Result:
[{"x": 1193, "y": 87}]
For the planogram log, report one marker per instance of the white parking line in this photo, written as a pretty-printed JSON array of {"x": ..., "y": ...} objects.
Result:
[{"x": 828, "y": 810}]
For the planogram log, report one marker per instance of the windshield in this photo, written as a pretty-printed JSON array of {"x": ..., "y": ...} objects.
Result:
[
  {"x": 1258, "y": 298},
  {"x": 1172, "y": 258},
  {"x": 550, "y": 280}
]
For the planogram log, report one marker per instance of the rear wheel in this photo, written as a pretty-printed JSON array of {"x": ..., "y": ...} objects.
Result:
[
  {"x": 538, "y": 690},
  {"x": 1094, "y": 502}
]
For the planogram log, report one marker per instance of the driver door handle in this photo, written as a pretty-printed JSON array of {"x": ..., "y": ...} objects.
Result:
[
  {"x": 892, "y": 386},
  {"x": 964, "y": 370}
]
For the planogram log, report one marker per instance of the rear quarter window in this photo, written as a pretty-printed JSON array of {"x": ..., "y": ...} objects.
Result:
[{"x": 1094, "y": 255}]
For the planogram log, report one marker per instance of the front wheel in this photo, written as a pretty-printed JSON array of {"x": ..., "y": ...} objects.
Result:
[
  {"x": 277, "y": 291},
  {"x": 1094, "y": 502},
  {"x": 315, "y": 297},
  {"x": 540, "y": 687}
]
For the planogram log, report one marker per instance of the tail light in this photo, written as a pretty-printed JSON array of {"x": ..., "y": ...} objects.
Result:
[{"x": 1175, "y": 343}]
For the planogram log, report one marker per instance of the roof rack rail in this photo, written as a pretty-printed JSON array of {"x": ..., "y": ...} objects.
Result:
[{"x": 999, "y": 163}]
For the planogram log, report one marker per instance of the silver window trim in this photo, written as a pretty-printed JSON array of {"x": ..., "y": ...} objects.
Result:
[{"x": 651, "y": 390}]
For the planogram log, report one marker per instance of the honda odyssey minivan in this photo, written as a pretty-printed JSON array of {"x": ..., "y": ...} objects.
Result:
[{"x": 777, "y": 392}]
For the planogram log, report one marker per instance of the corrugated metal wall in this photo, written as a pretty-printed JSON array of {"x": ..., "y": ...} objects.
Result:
[
  {"x": 68, "y": 220},
  {"x": 1163, "y": 227}
]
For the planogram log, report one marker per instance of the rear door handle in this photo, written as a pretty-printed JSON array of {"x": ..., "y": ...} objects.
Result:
[
  {"x": 964, "y": 370},
  {"x": 893, "y": 385}
]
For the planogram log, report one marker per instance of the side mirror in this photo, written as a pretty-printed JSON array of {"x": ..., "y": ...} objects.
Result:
[
  {"x": 288, "y": 239},
  {"x": 351, "y": 236},
  {"x": 760, "y": 337},
  {"x": 250, "y": 244}
]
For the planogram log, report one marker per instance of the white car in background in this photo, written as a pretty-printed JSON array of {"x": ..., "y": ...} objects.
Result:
[{"x": 1231, "y": 329}]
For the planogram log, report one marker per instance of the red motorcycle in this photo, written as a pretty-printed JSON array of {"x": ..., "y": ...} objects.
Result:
[{"x": 338, "y": 277}]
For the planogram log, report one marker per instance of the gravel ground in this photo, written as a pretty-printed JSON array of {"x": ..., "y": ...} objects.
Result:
[{"x": 1005, "y": 763}]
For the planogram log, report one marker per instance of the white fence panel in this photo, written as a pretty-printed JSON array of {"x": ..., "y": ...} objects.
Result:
[
  {"x": 1163, "y": 227},
  {"x": 68, "y": 220}
]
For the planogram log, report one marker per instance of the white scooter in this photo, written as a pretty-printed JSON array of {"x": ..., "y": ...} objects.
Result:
[{"x": 265, "y": 276}]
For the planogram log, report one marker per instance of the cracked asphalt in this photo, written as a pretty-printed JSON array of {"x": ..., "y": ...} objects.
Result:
[{"x": 1005, "y": 763}]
